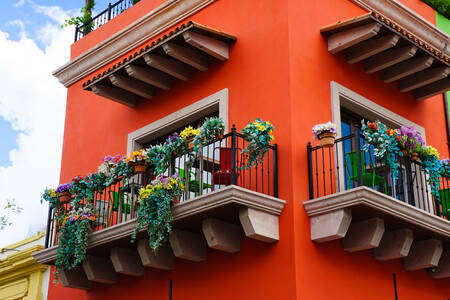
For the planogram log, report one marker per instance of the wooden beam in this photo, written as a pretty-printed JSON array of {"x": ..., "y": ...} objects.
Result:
[
  {"x": 189, "y": 56},
  {"x": 345, "y": 39},
  {"x": 422, "y": 78},
  {"x": 115, "y": 94},
  {"x": 432, "y": 89},
  {"x": 364, "y": 235},
  {"x": 406, "y": 68},
  {"x": 213, "y": 47},
  {"x": 127, "y": 261},
  {"x": 221, "y": 235},
  {"x": 371, "y": 47},
  {"x": 389, "y": 58},
  {"x": 151, "y": 76},
  {"x": 132, "y": 85},
  {"x": 99, "y": 269},
  {"x": 170, "y": 66}
]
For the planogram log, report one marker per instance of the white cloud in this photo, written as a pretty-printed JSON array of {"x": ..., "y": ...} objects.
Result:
[
  {"x": 20, "y": 3},
  {"x": 34, "y": 102}
]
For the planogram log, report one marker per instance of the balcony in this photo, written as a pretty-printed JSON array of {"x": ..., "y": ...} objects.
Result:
[
  {"x": 355, "y": 198},
  {"x": 102, "y": 18},
  {"x": 220, "y": 201}
]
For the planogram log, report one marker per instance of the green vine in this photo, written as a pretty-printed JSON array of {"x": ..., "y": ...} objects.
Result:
[
  {"x": 258, "y": 134},
  {"x": 86, "y": 16}
]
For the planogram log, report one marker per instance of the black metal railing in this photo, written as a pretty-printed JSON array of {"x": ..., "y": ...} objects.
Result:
[
  {"x": 216, "y": 165},
  {"x": 346, "y": 165},
  {"x": 111, "y": 12}
]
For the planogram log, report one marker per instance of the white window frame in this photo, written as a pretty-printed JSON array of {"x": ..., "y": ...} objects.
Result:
[{"x": 215, "y": 102}]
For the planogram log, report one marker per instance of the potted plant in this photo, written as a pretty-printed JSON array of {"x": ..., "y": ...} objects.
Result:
[
  {"x": 188, "y": 134},
  {"x": 64, "y": 192},
  {"x": 160, "y": 156},
  {"x": 258, "y": 134},
  {"x": 445, "y": 168},
  {"x": 176, "y": 145},
  {"x": 430, "y": 164},
  {"x": 211, "y": 130},
  {"x": 154, "y": 210},
  {"x": 326, "y": 133},
  {"x": 51, "y": 197},
  {"x": 72, "y": 237},
  {"x": 410, "y": 142},
  {"x": 136, "y": 160}
]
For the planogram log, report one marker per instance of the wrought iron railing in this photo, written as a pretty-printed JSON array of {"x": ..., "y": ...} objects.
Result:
[
  {"x": 218, "y": 164},
  {"x": 111, "y": 12},
  {"x": 346, "y": 165}
]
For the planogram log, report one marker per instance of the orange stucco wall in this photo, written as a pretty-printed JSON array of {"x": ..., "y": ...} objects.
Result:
[{"x": 279, "y": 70}]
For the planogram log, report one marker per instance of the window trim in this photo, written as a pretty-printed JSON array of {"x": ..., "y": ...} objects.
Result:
[
  {"x": 171, "y": 122},
  {"x": 342, "y": 96}
]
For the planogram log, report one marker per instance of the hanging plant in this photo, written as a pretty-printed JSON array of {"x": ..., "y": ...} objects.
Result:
[
  {"x": 176, "y": 145},
  {"x": 431, "y": 165},
  {"x": 445, "y": 168},
  {"x": 326, "y": 133},
  {"x": 154, "y": 211},
  {"x": 410, "y": 142},
  {"x": 159, "y": 156},
  {"x": 137, "y": 161},
  {"x": 51, "y": 197},
  {"x": 72, "y": 237},
  {"x": 188, "y": 134},
  {"x": 258, "y": 134},
  {"x": 384, "y": 141}
]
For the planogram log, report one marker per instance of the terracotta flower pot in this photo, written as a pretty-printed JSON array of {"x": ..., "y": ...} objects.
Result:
[
  {"x": 190, "y": 143},
  {"x": 327, "y": 139},
  {"x": 139, "y": 166},
  {"x": 414, "y": 156},
  {"x": 219, "y": 136},
  {"x": 64, "y": 197},
  {"x": 176, "y": 200},
  {"x": 404, "y": 152}
]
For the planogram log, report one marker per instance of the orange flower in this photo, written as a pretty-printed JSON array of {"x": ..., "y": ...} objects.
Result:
[{"x": 92, "y": 218}]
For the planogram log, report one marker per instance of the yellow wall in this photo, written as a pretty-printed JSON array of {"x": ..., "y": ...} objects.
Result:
[{"x": 21, "y": 276}]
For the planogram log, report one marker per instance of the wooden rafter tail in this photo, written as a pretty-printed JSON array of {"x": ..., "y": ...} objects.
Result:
[
  {"x": 342, "y": 40},
  {"x": 115, "y": 94},
  {"x": 389, "y": 58},
  {"x": 406, "y": 68},
  {"x": 213, "y": 47},
  {"x": 422, "y": 78},
  {"x": 167, "y": 65},
  {"x": 192, "y": 57},
  {"x": 132, "y": 85},
  {"x": 151, "y": 76},
  {"x": 371, "y": 47},
  {"x": 435, "y": 88}
]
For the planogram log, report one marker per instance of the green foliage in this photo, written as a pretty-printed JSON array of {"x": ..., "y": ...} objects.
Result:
[
  {"x": 86, "y": 15},
  {"x": 73, "y": 235},
  {"x": 51, "y": 197},
  {"x": 210, "y": 130},
  {"x": 258, "y": 134},
  {"x": 384, "y": 142},
  {"x": 159, "y": 156},
  {"x": 10, "y": 209},
  {"x": 155, "y": 214},
  {"x": 441, "y": 6}
]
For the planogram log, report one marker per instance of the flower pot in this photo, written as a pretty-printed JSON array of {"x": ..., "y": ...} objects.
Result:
[
  {"x": 190, "y": 143},
  {"x": 327, "y": 139},
  {"x": 139, "y": 167},
  {"x": 404, "y": 152},
  {"x": 176, "y": 200},
  {"x": 219, "y": 136},
  {"x": 64, "y": 197},
  {"x": 414, "y": 156}
]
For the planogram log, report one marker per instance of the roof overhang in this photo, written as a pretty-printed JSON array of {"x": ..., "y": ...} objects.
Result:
[
  {"x": 188, "y": 47},
  {"x": 399, "y": 55}
]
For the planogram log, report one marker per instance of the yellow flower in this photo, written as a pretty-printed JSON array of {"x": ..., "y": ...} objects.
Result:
[
  {"x": 432, "y": 151},
  {"x": 272, "y": 137}
]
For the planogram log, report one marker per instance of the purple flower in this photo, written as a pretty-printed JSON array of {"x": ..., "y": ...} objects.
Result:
[{"x": 65, "y": 187}]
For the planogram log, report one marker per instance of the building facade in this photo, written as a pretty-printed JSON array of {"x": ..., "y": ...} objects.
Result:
[{"x": 306, "y": 228}]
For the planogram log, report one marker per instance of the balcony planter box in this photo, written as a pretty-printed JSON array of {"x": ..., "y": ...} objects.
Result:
[{"x": 139, "y": 166}]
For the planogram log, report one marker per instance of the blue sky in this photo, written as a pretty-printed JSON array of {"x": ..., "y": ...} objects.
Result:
[{"x": 17, "y": 17}]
